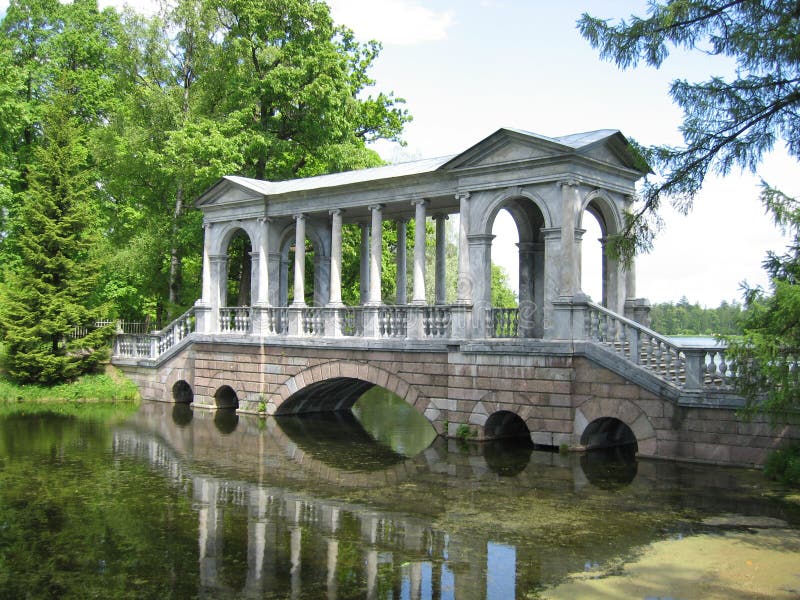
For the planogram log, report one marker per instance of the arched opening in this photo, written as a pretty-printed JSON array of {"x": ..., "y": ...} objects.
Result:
[
  {"x": 182, "y": 392},
  {"x": 225, "y": 397},
  {"x": 239, "y": 282},
  {"x": 368, "y": 411},
  {"x": 525, "y": 267},
  {"x": 608, "y": 432},
  {"x": 505, "y": 261},
  {"x": 505, "y": 424},
  {"x": 594, "y": 266}
]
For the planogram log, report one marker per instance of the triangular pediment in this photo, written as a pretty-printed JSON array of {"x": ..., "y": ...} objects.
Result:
[
  {"x": 511, "y": 145},
  {"x": 231, "y": 190},
  {"x": 506, "y": 146}
]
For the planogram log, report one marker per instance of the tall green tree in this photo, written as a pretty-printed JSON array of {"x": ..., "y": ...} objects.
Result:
[
  {"x": 297, "y": 82},
  {"x": 728, "y": 123},
  {"x": 48, "y": 291}
]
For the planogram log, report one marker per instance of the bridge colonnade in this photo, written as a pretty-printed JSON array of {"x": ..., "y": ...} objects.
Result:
[{"x": 546, "y": 185}]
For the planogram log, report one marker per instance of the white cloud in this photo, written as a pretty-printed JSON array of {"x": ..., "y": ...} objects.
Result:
[{"x": 401, "y": 22}]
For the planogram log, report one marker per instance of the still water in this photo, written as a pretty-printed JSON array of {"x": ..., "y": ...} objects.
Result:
[{"x": 180, "y": 503}]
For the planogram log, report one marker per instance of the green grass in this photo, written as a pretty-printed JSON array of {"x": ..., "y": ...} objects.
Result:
[{"x": 102, "y": 395}]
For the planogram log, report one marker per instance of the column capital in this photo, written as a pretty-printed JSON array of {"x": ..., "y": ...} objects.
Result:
[
  {"x": 299, "y": 216},
  {"x": 263, "y": 220},
  {"x": 374, "y": 207},
  {"x": 336, "y": 211},
  {"x": 480, "y": 238},
  {"x": 402, "y": 220},
  {"x": 462, "y": 195},
  {"x": 440, "y": 216},
  {"x": 416, "y": 201},
  {"x": 569, "y": 182}
]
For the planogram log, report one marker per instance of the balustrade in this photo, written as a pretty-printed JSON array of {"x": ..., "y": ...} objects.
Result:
[
  {"x": 690, "y": 368},
  {"x": 351, "y": 321},
  {"x": 502, "y": 322},
  {"x": 313, "y": 321},
  {"x": 234, "y": 319},
  {"x": 436, "y": 321},
  {"x": 393, "y": 321}
]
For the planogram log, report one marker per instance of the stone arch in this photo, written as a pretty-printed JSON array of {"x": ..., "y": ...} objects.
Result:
[
  {"x": 182, "y": 392},
  {"x": 506, "y": 402},
  {"x": 531, "y": 218},
  {"x": 505, "y": 197},
  {"x": 225, "y": 232},
  {"x": 624, "y": 411},
  {"x": 602, "y": 207},
  {"x": 506, "y": 424},
  {"x": 344, "y": 371},
  {"x": 226, "y": 397},
  {"x": 174, "y": 377}
]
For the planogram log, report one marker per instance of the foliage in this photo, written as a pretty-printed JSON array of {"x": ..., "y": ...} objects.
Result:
[
  {"x": 502, "y": 294},
  {"x": 784, "y": 465},
  {"x": 48, "y": 291},
  {"x": 727, "y": 123},
  {"x": 683, "y": 318},
  {"x": 766, "y": 357}
]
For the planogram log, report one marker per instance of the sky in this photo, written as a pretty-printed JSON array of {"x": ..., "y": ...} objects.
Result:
[{"x": 469, "y": 67}]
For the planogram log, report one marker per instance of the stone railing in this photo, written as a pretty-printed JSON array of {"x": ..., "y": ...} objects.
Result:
[
  {"x": 502, "y": 322},
  {"x": 234, "y": 319},
  {"x": 436, "y": 321},
  {"x": 313, "y": 321},
  {"x": 692, "y": 368},
  {"x": 151, "y": 345},
  {"x": 393, "y": 322},
  {"x": 350, "y": 321}
]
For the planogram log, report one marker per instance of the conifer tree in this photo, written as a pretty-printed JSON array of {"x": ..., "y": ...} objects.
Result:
[{"x": 47, "y": 290}]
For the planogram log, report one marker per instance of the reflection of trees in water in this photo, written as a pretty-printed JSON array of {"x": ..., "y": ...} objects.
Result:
[{"x": 610, "y": 468}]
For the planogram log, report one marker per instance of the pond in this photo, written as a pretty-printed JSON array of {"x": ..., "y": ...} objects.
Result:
[{"x": 174, "y": 502}]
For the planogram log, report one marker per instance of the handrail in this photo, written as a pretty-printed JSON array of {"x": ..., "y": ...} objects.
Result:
[{"x": 692, "y": 368}]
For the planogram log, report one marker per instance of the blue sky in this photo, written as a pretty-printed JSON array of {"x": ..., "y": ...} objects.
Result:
[{"x": 469, "y": 67}]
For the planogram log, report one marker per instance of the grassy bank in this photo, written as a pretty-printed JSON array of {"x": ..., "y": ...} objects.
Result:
[{"x": 109, "y": 392}]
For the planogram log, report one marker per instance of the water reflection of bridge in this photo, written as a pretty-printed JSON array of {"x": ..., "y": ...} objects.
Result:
[{"x": 274, "y": 518}]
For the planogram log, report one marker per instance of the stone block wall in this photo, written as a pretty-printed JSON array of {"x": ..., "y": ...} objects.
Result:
[{"x": 555, "y": 395}]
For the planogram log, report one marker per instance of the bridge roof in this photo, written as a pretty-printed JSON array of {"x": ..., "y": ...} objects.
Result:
[{"x": 605, "y": 145}]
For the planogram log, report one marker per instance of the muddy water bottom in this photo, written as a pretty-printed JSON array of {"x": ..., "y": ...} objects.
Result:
[
  {"x": 183, "y": 503},
  {"x": 753, "y": 563}
]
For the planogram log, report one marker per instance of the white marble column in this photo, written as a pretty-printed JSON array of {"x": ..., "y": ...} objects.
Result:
[
  {"x": 364, "y": 264},
  {"x": 299, "y": 261},
  {"x": 207, "y": 276},
  {"x": 262, "y": 270},
  {"x": 402, "y": 283},
  {"x": 569, "y": 263},
  {"x": 336, "y": 258},
  {"x": 418, "y": 294},
  {"x": 375, "y": 255},
  {"x": 464, "y": 295},
  {"x": 440, "y": 287}
]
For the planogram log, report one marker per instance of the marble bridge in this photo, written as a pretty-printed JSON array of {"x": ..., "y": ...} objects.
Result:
[{"x": 560, "y": 368}]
